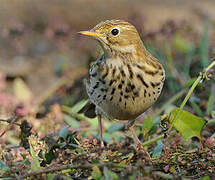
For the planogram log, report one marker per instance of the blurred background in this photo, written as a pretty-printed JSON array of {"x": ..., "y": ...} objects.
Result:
[
  {"x": 38, "y": 39},
  {"x": 39, "y": 47}
]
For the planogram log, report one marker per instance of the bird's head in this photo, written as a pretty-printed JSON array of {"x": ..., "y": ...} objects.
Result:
[{"x": 116, "y": 36}]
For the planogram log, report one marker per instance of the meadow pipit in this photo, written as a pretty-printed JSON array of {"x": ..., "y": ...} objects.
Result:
[{"x": 126, "y": 80}]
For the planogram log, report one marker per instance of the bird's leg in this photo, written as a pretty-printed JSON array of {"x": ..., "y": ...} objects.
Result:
[
  {"x": 100, "y": 129},
  {"x": 138, "y": 142}
]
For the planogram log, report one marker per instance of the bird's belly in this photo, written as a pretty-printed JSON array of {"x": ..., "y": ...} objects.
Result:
[
  {"x": 131, "y": 111},
  {"x": 119, "y": 105}
]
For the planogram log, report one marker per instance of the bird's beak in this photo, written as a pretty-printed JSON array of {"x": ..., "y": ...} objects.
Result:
[{"x": 90, "y": 33}]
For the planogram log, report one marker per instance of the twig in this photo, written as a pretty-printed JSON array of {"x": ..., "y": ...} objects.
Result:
[
  {"x": 69, "y": 166},
  {"x": 10, "y": 121}
]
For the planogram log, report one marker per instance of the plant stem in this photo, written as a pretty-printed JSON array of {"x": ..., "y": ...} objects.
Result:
[
  {"x": 157, "y": 138},
  {"x": 197, "y": 81},
  {"x": 201, "y": 76}
]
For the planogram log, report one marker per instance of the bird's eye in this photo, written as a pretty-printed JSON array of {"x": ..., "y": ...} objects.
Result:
[{"x": 115, "y": 31}]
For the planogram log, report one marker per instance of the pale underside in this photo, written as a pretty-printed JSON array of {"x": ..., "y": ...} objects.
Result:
[{"x": 124, "y": 89}]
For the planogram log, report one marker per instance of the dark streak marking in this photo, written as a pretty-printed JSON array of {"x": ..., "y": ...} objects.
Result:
[
  {"x": 120, "y": 86},
  {"x": 142, "y": 80},
  {"x": 132, "y": 86},
  {"x": 155, "y": 84},
  {"x": 145, "y": 93},
  {"x": 125, "y": 104},
  {"x": 154, "y": 99},
  {"x": 99, "y": 96},
  {"x": 120, "y": 99},
  {"x": 152, "y": 84},
  {"x": 111, "y": 98},
  {"x": 96, "y": 86},
  {"x": 127, "y": 90},
  {"x": 91, "y": 93},
  {"x": 94, "y": 74},
  {"x": 114, "y": 71},
  {"x": 102, "y": 81},
  {"x": 121, "y": 93},
  {"x": 126, "y": 96},
  {"x": 130, "y": 71},
  {"x": 111, "y": 82},
  {"x": 104, "y": 89},
  {"x": 153, "y": 92},
  {"x": 159, "y": 67},
  {"x": 155, "y": 65},
  {"x": 113, "y": 90},
  {"x": 149, "y": 94},
  {"x": 147, "y": 71},
  {"x": 136, "y": 93},
  {"x": 106, "y": 73},
  {"x": 122, "y": 81},
  {"x": 122, "y": 72},
  {"x": 104, "y": 97},
  {"x": 133, "y": 98}
]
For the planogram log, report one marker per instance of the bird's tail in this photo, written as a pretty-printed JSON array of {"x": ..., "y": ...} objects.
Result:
[{"x": 88, "y": 110}]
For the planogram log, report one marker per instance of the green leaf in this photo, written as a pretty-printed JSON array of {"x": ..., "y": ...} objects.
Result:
[
  {"x": 115, "y": 127},
  {"x": 109, "y": 175},
  {"x": 96, "y": 173},
  {"x": 3, "y": 167},
  {"x": 203, "y": 47},
  {"x": 79, "y": 105},
  {"x": 64, "y": 132},
  {"x": 26, "y": 161},
  {"x": 35, "y": 165},
  {"x": 213, "y": 114},
  {"x": 186, "y": 123},
  {"x": 147, "y": 125},
  {"x": 205, "y": 178},
  {"x": 158, "y": 149},
  {"x": 210, "y": 104},
  {"x": 21, "y": 90},
  {"x": 50, "y": 176},
  {"x": 71, "y": 121}
]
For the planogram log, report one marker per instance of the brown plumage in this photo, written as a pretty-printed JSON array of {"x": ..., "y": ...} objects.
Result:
[{"x": 126, "y": 80}]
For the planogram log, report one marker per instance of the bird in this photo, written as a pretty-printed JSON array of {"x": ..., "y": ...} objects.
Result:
[{"x": 126, "y": 80}]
